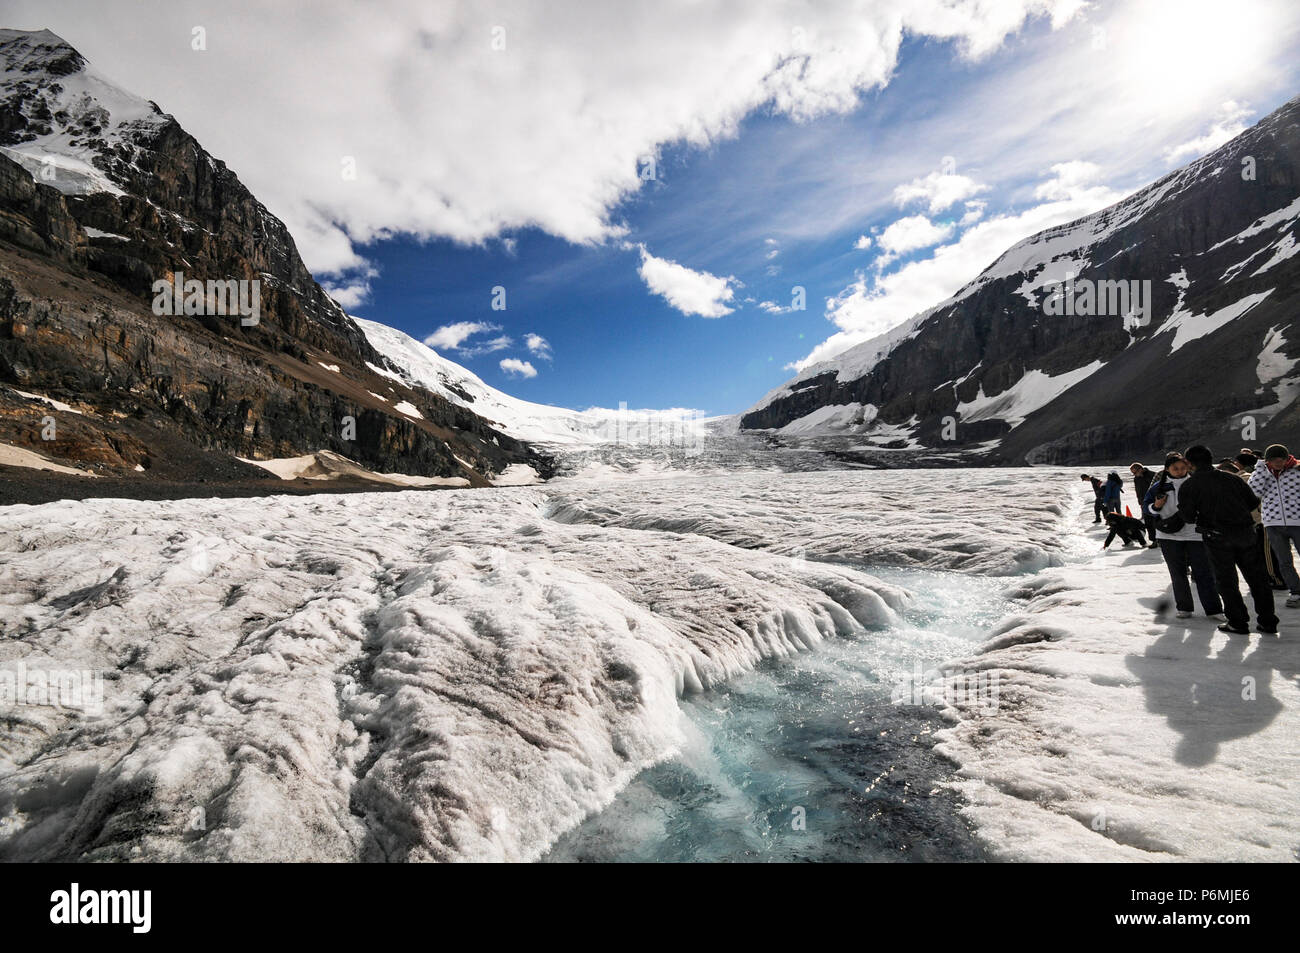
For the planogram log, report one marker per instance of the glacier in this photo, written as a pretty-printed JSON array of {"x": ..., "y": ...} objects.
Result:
[{"x": 494, "y": 674}]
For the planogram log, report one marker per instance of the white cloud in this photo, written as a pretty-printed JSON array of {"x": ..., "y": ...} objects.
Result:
[
  {"x": 452, "y": 138},
  {"x": 909, "y": 234},
  {"x": 863, "y": 243},
  {"x": 490, "y": 346},
  {"x": 353, "y": 289},
  {"x": 1230, "y": 122},
  {"x": 771, "y": 307},
  {"x": 538, "y": 346},
  {"x": 690, "y": 292},
  {"x": 1069, "y": 180},
  {"x": 974, "y": 212},
  {"x": 450, "y": 337},
  {"x": 938, "y": 190},
  {"x": 870, "y": 307},
  {"x": 517, "y": 368},
  {"x": 350, "y": 294}
]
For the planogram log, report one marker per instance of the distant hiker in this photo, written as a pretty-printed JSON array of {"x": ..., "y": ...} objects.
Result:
[
  {"x": 1127, "y": 528},
  {"x": 1142, "y": 478},
  {"x": 1277, "y": 484},
  {"x": 1110, "y": 495},
  {"x": 1180, "y": 544},
  {"x": 1099, "y": 489},
  {"x": 1218, "y": 506}
]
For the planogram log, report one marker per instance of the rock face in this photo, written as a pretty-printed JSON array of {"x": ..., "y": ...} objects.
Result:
[
  {"x": 101, "y": 195},
  {"x": 1214, "y": 360}
]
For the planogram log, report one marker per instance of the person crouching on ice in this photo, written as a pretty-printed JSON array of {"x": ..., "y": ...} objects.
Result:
[{"x": 1128, "y": 529}]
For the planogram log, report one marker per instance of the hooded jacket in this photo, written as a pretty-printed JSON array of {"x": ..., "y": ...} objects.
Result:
[
  {"x": 1114, "y": 487},
  {"x": 1279, "y": 494}
]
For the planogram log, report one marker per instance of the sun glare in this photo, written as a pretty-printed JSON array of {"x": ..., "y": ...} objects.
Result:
[{"x": 1185, "y": 51}]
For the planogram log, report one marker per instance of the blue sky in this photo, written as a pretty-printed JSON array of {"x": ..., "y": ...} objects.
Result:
[
  {"x": 779, "y": 205},
  {"x": 499, "y": 143}
]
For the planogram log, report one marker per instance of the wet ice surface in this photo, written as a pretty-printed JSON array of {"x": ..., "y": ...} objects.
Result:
[
  {"x": 808, "y": 758},
  {"x": 471, "y": 674}
]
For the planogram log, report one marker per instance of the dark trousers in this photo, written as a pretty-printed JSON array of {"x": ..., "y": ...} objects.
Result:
[
  {"x": 1272, "y": 561},
  {"x": 1234, "y": 551},
  {"x": 1098, "y": 508},
  {"x": 1150, "y": 522},
  {"x": 1182, "y": 555}
]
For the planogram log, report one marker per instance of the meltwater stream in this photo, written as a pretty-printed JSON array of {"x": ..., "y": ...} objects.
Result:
[{"x": 807, "y": 758}]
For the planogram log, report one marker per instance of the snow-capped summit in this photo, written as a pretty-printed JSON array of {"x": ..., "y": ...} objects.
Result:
[
  {"x": 1167, "y": 317},
  {"x": 65, "y": 122}
]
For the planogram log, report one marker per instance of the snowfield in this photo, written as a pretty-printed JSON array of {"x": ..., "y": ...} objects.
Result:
[
  {"x": 467, "y": 675},
  {"x": 1126, "y": 734}
]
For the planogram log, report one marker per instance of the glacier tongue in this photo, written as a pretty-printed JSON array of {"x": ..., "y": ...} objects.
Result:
[{"x": 387, "y": 676}]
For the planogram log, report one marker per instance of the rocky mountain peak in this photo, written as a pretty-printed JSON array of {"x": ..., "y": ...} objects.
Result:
[{"x": 1212, "y": 249}]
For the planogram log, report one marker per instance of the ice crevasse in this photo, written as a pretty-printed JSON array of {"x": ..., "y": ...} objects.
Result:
[{"x": 398, "y": 676}]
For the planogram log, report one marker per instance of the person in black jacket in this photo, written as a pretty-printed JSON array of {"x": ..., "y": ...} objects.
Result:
[
  {"x": 1219, "y": 505},
  {"x": 1142, "y": 478},
  {"x": 1099, "y": 504},
  {"x": 1127, "y": 528}
]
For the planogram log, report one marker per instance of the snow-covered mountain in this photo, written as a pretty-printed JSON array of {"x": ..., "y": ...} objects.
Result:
[
  {"x": 101, "y": 195},
  {"x": 994, "y": 368},
  {"x": 413, "y": 363},
  {"x": 67, "y": 123}
]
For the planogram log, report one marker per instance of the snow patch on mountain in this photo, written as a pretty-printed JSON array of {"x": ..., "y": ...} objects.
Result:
[
  {"x": 1033, "y": 390},
  {"x": 1276, "y": 369},
  {"x": 75, "y": 120},
  {"x": 1187, "y": 326},
  {"x": 833, "y": 418},
  {"x": 1278, "y": 219}
]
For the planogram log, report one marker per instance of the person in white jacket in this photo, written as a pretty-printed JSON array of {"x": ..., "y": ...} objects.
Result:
[
  {"x": 1277, "y": 484},
  {"x": 1180, "y": 544}
]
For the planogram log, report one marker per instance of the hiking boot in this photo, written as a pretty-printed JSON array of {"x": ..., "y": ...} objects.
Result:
[
  {"x": 1293, "y": 602},
  {"x": 1263, "y": 631},
  {"x": 1234, "y": 629},
  {"x": 1184, "y": 614}
]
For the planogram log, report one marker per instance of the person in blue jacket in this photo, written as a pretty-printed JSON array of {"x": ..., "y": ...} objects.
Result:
[{"x": 1110, "y": 498}]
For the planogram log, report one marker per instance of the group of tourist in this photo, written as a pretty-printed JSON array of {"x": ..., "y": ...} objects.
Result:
[{"x": 1213, "y": 522}]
